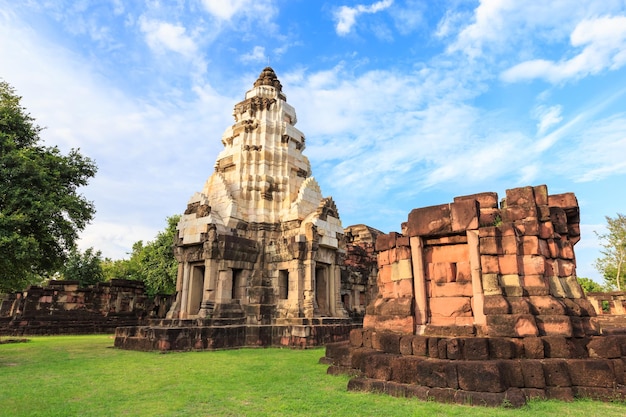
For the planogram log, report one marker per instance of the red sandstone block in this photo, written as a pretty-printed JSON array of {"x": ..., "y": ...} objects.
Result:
[
  {"x": 511, "y": 371},
  {"x": 532, "y": 265},
  {"x": 489, "y": 231},
  {"x": 432, "y": 373},
  {"x": 404, "y": 369},
  {"x": 556, "y": 347},
  {"x": 384, "y": 274},
  {"x": 463, "y": 321},
  {"x": 383, "y": 258},
  {"x": 356, "y": 338},
  {"x": 511, "y": 325},
  {"x": 543, "y": 213},
  {"x": 463, "y": 271},
  {"x": 508, "y": 265},
  {"x": 419, "y": 345},
  {"x": 496, "y": 304},
  {"x": 559, "y": 220},
  {"x": 501, "y": 348},
  {"x": 567, "y": 268},
  {"x": 560, "y": 393},
  {"x": 452, "y": 289},
  {"x": 403, "y": 252},
  {"x": 476, "y": 348},
  {"x": 426, "y": 221},
  {"x": 591, "y": 372},
  {"x": 489, "y": 264},
  {"x": 395, "y": 324},
  {"x": 454, "y": 348},
  {"x": 402, "y": 241},
  {"x": 546, "y": 305},
  {"x": 519, "y": 305},
  {"x": 556, "y": 373},
  {"x": 530, "y": 245},
  {"x": 509, "y": 245},
  {"x": 534, "y": 281},
  {"x": 528, "y": 227},
  {"x": 395, "y": 307},
  {"x": 464, "y": 215},
  {"x": 567, "y": 251},
  {"x": 544, "y": 249},
  {"x": 533, "y": 348},
  {"x": 489, "y": 216},
  {"x": 450, "y": 307},
  {"x": 403, "y": 288},
  {"x": 541, "y": 195},
  {"x": 566, "y": 200},
  {"x": 532, "y": 371},
  {"x": 377, "y": 367},
  {"x": 522, "y": 196},
  {"x": 440, "y": 272},
  {"x": 485, "y": 200},
  {"x": 481, "y": 376},
  {"x": 386, "y": 241},
  {"x": 406, "y": 347},
  {"x": 448, "y": 253},
  {"x": 490, "y": 245},
  {"x": 600, "y": 393},
  {"x": 554, "y": 325},
  {"x": 604, "y": 347},
  {"x": 440, "y": 321}
]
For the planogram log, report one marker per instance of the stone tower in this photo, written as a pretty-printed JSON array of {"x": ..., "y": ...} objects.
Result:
[{"x": 259, "y": 244}]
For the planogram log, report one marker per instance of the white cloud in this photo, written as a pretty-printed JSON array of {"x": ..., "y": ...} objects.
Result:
[
  {"x": 166, "y": 36},
  {"x": 225, "y": 10},
  {"x": 346, "y": 16},
  {"x": 256, "y": 55},
  {"x": 604, "y": 41},
  {"x": 547, "y": 117}
]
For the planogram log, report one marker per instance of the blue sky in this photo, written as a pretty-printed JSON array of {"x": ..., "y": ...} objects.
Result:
[{"x": 404, "y": 104}]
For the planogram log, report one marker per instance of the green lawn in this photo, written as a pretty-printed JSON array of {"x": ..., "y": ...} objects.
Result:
[{"x": 85, "y": 376}]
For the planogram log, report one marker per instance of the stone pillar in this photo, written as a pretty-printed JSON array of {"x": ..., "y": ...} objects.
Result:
[
  {"x": 478, "y": 297},
  {"x": 308, "y": 290},
  {"x": 224, "y": 286},
  {"x": 419, "y": 283},
  {"x": 184, "y": 299}
]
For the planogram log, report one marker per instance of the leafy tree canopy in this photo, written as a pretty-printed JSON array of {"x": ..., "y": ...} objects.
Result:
[
  {"x": 153, "y": 262},
  {"x": 86, "y": 267},
  {"x": 589, "y": 285},
  {"x": 612, "y": 263},
  {"x": 41, "y": 212}
]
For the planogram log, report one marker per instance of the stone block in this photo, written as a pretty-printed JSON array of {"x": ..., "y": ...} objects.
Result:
[
  {"x": 450, "y": 307},
  {"x": 507, "y": 265},
  {"x": 501, "y": 348},
  {"x": 490, "y": 245},
  {"x": 530, "y": 245},
  {"x": 532, "y": 371},
  {"x": 404, "y": 369},
  {"x": 440, "y": 272},
  {"x": 419, "y": 345},
  {"x": 434, "y": 220},
  {"x": 485, "y": 200},
  {"x": 356, "y": 338},
  {"x": 556, "y": 373},
  {"x": 386, "y": 241},
  {"x": 556, "y": 347},
  {"x": 591, "y": 372},
  {"x": 489, "y": 216},
  {"x": 395, "y": 307},
  {"x": 511, "y": 371},
  {"x": 482, "y": 376},
  {"x": 532, "y": 265},
  {"x": 389, "y": 343},
  {"x": 377, "y": 367},
  {"x": 401, "y": 270},
  {"x": 554, "y": 325},
  {"x": 546, "y": 305},
  {"x": 519, "y": 305},
  {"x": 571, "y": 287},
  {"x": 565, "y": 200},
  {"x": 491, "y": 284},
  {"x": 452, "y": 289},
  {"x": 463, "y": 272},
  {"x": 509, "y": 280},
  {"x": 442, "y": 347},
  {"x": 546, "y": 230},
  {"x": 559, "y": 220},
  {"x": 556, "y": 289},
  {"x": 496, "y": 304},
  {"x": 511, "y": 325},
  {"x": 433, "y": 347},
  {"x": 476, "y": 348},
  {"x": 384, "y": 274},
  {"x": 454, "y": 348},
  {"x": 432, "y": 373},
  {"x": 509, "y": 245},
  {"x": 533, "y": 348},
  {"x": 604, "y": 347},
  {"x": 418, "y": 391},
  {"x": 535, "y": 394},
  {"x": 464, "y": 215},
  {"x": 560, "y": 393},
  {"x": 406, "y": 343},
  {"x": 402, "y": 288},
  {"x": 489, "y": 264}
]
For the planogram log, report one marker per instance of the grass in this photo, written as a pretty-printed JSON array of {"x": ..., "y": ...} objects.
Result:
[{"x": 85, "y": 376}]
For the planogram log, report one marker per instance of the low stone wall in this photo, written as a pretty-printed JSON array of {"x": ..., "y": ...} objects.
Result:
[
  {"x": 63, "y": 308},
  {"x": 184, "y": 335},
  {"x": 491, "y": 371}
]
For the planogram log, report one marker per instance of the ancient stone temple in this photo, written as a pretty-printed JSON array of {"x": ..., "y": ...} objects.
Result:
[
  {"x": 478, "y": 303},
  {"x": 260, "y": 249}
]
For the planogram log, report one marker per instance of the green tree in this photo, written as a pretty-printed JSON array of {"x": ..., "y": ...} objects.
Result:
[
  {"x": 86, "y": 267},
  {"x": 612, "y": 263},
  {"x": 41, "y": 212},
  {"x": 589, "y": 285},
  {"x": 153, "y": 262}
]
